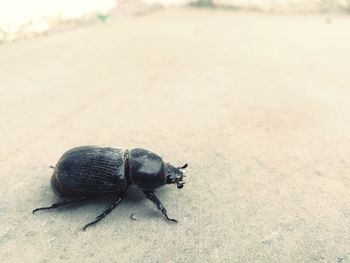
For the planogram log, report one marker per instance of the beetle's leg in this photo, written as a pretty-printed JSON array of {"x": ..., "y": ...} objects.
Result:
[
  {"x": 59, "y": 204},
  {"x": 151, "y": 195},
  {"x": 106, "y": 212}
]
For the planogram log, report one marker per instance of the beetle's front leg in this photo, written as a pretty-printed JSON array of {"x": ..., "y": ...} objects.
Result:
[
  {"x": 151, "y": 195},
  {"x": 59, "y": 204}
]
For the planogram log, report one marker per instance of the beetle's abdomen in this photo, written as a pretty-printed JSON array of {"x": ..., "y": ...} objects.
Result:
[
  {"x": 90, "y": 170},
  {"x": 147, "y": 169}
]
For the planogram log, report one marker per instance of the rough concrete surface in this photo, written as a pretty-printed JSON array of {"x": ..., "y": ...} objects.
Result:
[{"x": 258, "y": 105}]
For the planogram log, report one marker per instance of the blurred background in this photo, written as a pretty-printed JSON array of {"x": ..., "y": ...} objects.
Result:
[
  {"x": 22, "y": 18},
  {"x": 253, "y": 95}
]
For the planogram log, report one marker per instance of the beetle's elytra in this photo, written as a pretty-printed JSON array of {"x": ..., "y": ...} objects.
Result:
[{"x": 89, "y": 171}]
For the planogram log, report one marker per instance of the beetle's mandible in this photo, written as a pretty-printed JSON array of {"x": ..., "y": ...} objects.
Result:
[{"x": 87, "y": 172}]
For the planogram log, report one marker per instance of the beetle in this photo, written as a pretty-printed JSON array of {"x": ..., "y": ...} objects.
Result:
[{"x": 87, "y": 172}]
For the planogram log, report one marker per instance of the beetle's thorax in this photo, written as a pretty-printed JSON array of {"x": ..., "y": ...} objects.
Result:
[{"x": 146, "y": 169}]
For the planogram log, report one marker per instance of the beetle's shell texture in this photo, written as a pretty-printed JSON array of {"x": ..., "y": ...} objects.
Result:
[{"x": 90, "y": 170}]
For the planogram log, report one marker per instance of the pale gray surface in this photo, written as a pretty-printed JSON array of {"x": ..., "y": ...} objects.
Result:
[{"x": 257, "y": 105}]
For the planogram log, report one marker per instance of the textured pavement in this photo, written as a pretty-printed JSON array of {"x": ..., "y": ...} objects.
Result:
[{"x": 258, "y": 105}]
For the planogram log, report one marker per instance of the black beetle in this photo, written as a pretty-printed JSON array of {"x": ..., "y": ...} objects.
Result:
[{"x": 89, "y": 171}]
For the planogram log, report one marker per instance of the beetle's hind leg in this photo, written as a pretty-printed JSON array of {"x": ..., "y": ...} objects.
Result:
[
  {"x": 151, "y": 195},
  {"x": 106, "y": 212},
  {"x": 59, "y": 204}
]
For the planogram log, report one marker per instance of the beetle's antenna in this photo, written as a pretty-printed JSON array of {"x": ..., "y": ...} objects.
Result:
[{"x": 183, "y": 167}]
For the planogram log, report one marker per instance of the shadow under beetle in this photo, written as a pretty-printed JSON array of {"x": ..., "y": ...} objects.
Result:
[{"x": 86, "y": 172}]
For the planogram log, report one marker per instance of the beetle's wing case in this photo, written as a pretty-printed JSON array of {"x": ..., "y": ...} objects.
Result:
[{"x": 90, "y": 170}]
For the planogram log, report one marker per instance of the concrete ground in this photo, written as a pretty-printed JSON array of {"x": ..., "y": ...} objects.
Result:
[{"x": 258, "y": 105}]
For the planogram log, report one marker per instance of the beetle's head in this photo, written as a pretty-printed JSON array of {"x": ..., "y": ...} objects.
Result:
[{"x": 175, "y": 175}]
